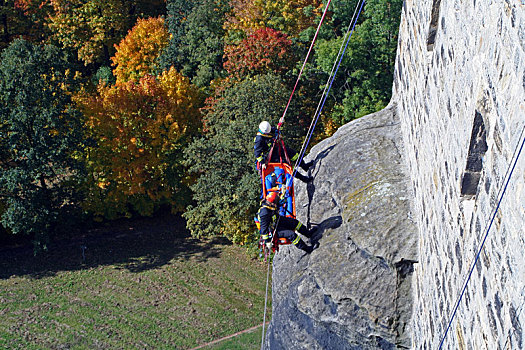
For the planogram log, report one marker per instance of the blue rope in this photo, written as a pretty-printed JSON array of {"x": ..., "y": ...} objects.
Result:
[
  {"x": 311, "y": 131},
  {"x": 483, "y": 243}
]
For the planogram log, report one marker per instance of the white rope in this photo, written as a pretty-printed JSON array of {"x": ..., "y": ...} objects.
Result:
[{"x": 265, "y": 304}]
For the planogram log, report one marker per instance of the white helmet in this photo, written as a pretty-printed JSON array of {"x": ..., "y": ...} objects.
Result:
[{"x": 265, "y": 127}]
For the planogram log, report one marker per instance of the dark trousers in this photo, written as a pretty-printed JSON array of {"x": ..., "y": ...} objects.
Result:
[{"x": 286, "y": 229}]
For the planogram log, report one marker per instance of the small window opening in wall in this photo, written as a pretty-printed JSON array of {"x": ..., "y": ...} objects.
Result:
[
  {"x": 432, "y": 30},
  {"x": 478, "y": 147}
]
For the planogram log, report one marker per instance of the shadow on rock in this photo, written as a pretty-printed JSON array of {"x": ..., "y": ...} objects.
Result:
[
  {"x": 405, "y": 267},
  {"x": 330, "y": 223},
  {"x": 310, "y": 187},
  {"x": 322, "y": 155}
]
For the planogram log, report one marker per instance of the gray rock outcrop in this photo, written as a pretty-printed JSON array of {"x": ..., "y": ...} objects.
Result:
[{"x": 354, "y": 291}]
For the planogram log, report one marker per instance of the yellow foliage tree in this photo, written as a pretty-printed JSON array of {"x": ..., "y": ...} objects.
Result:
[
  {"x": 137, "y": 53},
  {"x": 290, "y": 17},
  {"x": 91, "y": 27},
  {"x": 140, "y": 130}
]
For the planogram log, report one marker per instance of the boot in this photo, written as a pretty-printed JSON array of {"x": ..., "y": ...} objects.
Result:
[
  {"x": 306, "y": 166},
  {"x": 303, "y": 246},
  {"x": 303, "y": 178},
  {"x": 308, "y": 233},
  {"x": 307, "y": 248}
]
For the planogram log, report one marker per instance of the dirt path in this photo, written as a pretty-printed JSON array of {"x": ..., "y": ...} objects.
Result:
[{"x": 249, "y": 330}]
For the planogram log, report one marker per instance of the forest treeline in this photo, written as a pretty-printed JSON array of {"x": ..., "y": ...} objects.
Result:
[{"x": 118, "y": 108}]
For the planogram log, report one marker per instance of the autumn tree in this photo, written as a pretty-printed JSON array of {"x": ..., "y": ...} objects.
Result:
[
  {"x": 291, "y": 17},
  {"x": 265, "y": 51},
  {"x": 140, "y": 130},
  {"x": 23, "y": 18},
  {"x": 138, "y": 52},
  {"x": 92, "y": 27},
  {"x": 40, "y": 140}
]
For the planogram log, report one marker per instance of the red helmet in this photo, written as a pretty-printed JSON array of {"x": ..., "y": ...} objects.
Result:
[{"x": 271, "y": 197}]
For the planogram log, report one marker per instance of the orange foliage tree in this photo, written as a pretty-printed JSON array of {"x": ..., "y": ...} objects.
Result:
[
  {"x": 265, "y": 51},
  {"x": 138, "y": 51},
  {"x": 140, "y": 130}
]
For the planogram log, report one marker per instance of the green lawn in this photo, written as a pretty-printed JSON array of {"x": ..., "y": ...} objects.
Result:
[{"x": 138, "y": 285}]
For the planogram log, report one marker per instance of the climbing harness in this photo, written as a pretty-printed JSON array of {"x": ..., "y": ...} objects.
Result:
[{"x": 502, "y": 191}]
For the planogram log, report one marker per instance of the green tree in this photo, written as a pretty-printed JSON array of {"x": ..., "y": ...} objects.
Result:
[
  {"x": 40, "y": 139},
  {"x": 197, "y": 40},
  {"x": 176, "y": 18},
  {"x": 227, "y": 190},
  {"x": 364, "y": 81}
]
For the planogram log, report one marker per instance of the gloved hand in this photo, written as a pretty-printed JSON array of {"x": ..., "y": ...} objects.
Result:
[{"x": 269, "y": 245}]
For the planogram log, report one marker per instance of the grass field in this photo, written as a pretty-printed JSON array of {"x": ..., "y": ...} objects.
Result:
[{"x": 135, "y": 285}]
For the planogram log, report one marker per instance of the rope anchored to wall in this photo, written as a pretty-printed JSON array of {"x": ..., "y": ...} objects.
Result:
[{"x": 510, "y": 170}]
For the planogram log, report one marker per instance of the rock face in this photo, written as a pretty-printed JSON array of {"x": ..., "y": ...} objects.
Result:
[{"x": 354, "y": 291}]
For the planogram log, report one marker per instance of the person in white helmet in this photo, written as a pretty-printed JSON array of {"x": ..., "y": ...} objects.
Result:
[{"x": 262, "y": 144}]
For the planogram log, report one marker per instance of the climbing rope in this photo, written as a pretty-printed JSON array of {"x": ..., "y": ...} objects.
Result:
[
  {"x": 281, "y": 121},
  {"x": 265, "y": 303},
  {"x": 502, "y": 191},
  {"x": 331, "y": 78},
  {"x": 320, "y": 106}
]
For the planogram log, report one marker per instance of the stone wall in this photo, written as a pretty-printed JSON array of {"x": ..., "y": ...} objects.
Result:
[{"x": 459, "y": 87}]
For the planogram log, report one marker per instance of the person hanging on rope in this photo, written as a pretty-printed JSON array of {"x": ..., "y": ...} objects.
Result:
[
  {"x": 263, "y": 142},
  {"x": 281, "y": 182},
  {"x": 286, "y": 227}
]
